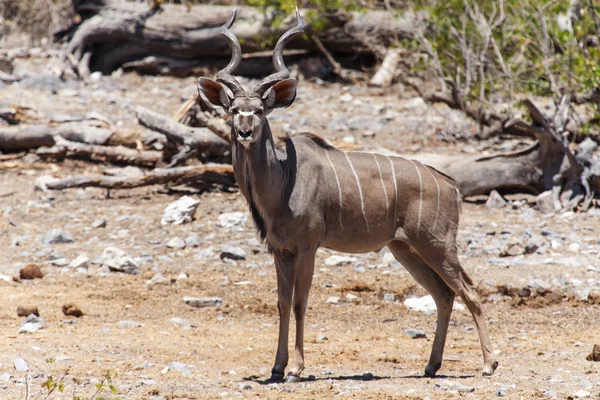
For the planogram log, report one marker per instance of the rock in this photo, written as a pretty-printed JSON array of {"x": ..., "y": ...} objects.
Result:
[
  {"x": 54, "y": 236},
  {"x": 176, "y": 243},
  {"x": 416, "y": 333},
  {"x": 574, "y": 247},
  {"x": 180, "y": 211},
  {"x": 512, "y": 249},
  {"x": 5, "y": 377},
  {"x": 426, "y": 304},
  {"x": 389, "y": 296},
  {"x": 193, "y": 241},
  {"x": 581, "y": 394},
  {"x": 21, "y": 365},
  {"x": 539, "y": 284},
  {"x": 322, "y": 338},
  {"x": 31, "y": 271},
  {"x": 99, "y": 223},
  {"x": 333, "y": 300},
  {"x": 545, "y": 203},
  {"x": 199, "y": 302},
  {"x": 233, "y": 253},
  {"x": 449, "y": 385},
  {"x": 25, "y": 311},
  {"x": 81, "y": 261},
  {"x": 117, "y": 260},
  {"x": 245, "y": 386},
  {"x": 177, "y": 366},
  {"x": 32, "y": 324},
  {"x": 527, "y": 215},
  {"x": 335, "y": 261},
  {"x": 232, "y": 220},
  {"x": 156, "y": 279},
  {"x": 595, "y": 354},
  {"x": 495, "y": 200},
  {"x": 181, "y": 322},
  {"x": 71, "y": 309},
  {"x": 126, "y": 324}
]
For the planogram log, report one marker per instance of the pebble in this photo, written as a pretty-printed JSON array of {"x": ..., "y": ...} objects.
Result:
[
  {"x": 233, "y": 253},
  {"x": 181, "y": 322},
  {"x": 495, "y": 200},
  {"x": 454, "y": 386},
  {"x": 177, "y": 366},
  {"x": 232, "y": 220},
  {"x": 389, "y": 296},
  {"x": 180, "y": 211},
  {"x": 527, "y": 215},
  {"x": 245, "y": 386},
  {"x": 199, "y": 302},
  {"x": 545, "y": 203},
  {"x": 322, "y": 338},
  {"x": 416, "y": 333},
  {"x": 335, "y": 261},
  {"x": 333, "y": 300},
  {"x": 126, "y": 324},
  {"x": 99, "y": 223},
  {"x": 581, "y": 394},
  {"x": 72, "y": 310},
  {"x": 574, "y": 247},
  {"x": 32, "y": 324},
  {"x": 117, "y": 260},
  {"x": 25, "y": 311},
  {"x": 426, "y": 304},
  {"x": 193, "y": 241},
  {"x": 81, "y": 261},
  {"x": 54, "y": 236},
  {"x": 176, "y": 243},
  {"x": 20, "y": 365},
  {"x": 156, "y": 279},
  {"x": 5, "y": 377}
]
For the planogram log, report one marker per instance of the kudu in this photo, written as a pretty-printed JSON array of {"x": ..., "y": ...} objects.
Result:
[{"x": 304, "y": 193}]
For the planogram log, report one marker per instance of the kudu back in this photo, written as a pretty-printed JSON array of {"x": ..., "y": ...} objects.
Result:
[{"x": 304, "y": 193}]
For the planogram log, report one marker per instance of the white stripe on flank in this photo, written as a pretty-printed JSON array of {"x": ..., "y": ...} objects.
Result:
[
  {"x": 337, "y": 180},
  {"x": 362, "y": 202},
  {"x": 387, "y": 204},
  {"x": 395, "y": 190},
  {"x": 420, "y": 197},
  {"x": 437, "y": 210}
]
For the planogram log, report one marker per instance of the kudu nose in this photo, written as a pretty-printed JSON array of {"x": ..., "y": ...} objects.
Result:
[{"x": 245, "y": 134}]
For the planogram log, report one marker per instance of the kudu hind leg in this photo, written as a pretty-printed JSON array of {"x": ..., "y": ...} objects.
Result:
[
  {"x": 448, "y": 267},
  {"x": 439, "y": 290},
  {"x": 284, "y": 264}
]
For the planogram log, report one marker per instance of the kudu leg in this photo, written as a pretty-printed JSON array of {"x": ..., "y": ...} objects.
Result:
[
  {"x": 305, "y": 265},
  {"x": 439, "y": 290},
  {"x": 448, "y": 267},
  {"x": 284, "y": 264}
]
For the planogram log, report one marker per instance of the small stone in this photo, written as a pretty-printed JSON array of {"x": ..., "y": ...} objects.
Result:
[
  {"x": 25, "y": 311},
  {"x": 495, "y": 200},
  {"x": 81, "y": 261},
  {"x": 233, "y": 253},
  {"x": 5, "y": 377},
  {"x": 351, "y": 296},
  {"x": 335, "y": 261},
  {"x": 193, "y": 241},
  {"x": 54, "y": 236},
  {"x": 156, "y": 279},
  {"x": 245, "y": 386},
  {"x": 581, "y": 394},
  {"x": 99, "y": 223},
  {"x": 72, "y": 310},
  {"x": 32, "y": 324},
  {"x": 181, "y": 322},
  {"x": 180, "y": 211},
  {"x": 176, "y": 243},
  {"x": 574, "y": 247},
  {"x": 416, "y": 333},
  {"x": 177, "y": 366},
  {"x": 426, "y": 304},
  {"x": 545, "y": 203},
  {"x": 322, "y": 338},
  {"x": 527, "y": 215},
  {"x": 21, "y": 365},
  {"x": 117, "y": 260},
  {"x": 126, "y": 324},
  {"x": 389, "y": 296},
  {"x": 231, "y": 220},
  {"x": 449, "y": 385},
  {"x": 539, "y": 284},
  {"x": 513, "y": 249},
  {"x": 31, "y": 271},
  {"x": 333, "y": 300},
  {"x": 199, "y": 302}
]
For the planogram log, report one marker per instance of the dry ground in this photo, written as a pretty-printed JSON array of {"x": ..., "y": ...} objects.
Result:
[{"x": 541, "y": 346}]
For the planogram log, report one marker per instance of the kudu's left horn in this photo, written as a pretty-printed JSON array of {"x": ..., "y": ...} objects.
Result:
[{"x": 225, "y": 76}]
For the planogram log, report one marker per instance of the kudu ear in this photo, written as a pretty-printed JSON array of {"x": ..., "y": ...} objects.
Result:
[
  {"x": 282, "y": 94},
  {"x": 213, "y": 93}
]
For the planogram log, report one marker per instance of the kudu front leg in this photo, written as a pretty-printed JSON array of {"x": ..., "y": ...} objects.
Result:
[
  {"x": 284, "y": 264},
  {"x": 304, "y": 268}
]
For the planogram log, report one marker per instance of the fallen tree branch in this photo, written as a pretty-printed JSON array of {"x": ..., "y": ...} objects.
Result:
[
  {"x": 91, "y": 132},
  {"x": 199, "y": 177},
  {"x": 118, "y": 154}
]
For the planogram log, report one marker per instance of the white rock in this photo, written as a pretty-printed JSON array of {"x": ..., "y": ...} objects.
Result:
[
  {"x": 128, "y": 324},
  {"x": 32, "y": 324},
  {"x": 574, "y": 247},
  {"x": 582, "y": 394},
  {"x": 333, "y": 300},
  {"x": 495, "y": 200},
  {"x": 233, "y": 219},
  {"x": 176, "y": 243},
  {"x": 117, "y": 260},
  {"x": 339, "y": 260},
  {"x": 449, "y": 385},
  {"x": 54, "y": 236},
  {"x": 426, "y": 304},
  {"x": 81, "y": 261},
  {"x": 200, "y": 302},
  {"x": 5, "y": 377},
  {"x": 21, "y": 365},
  {"x": 180, "y": 211},
  {"x": 177, "y": 366}
]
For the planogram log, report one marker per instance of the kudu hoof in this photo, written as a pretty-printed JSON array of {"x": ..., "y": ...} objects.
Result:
[
  {"x": 488, "y": 369},
  {"x": 431, "y": 370},
  {"x": 276, "y": 376},
  {"x": 292, "y": 378}
]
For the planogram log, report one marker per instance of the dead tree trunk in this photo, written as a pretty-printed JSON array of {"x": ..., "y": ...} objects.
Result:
[{"x": 113, "y": 33}]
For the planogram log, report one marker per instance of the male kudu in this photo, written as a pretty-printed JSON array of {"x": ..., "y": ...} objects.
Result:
[{"x": 304, "y": 194}]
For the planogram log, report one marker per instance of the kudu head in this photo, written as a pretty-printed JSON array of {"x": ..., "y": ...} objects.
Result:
[{"x": 249, "y": 111}]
